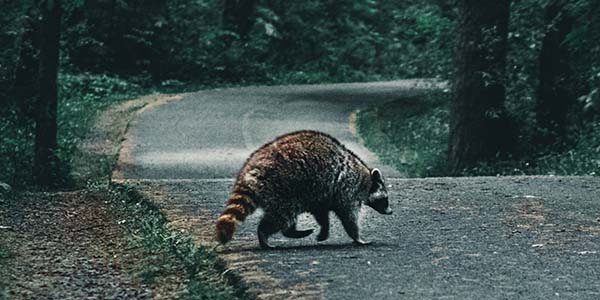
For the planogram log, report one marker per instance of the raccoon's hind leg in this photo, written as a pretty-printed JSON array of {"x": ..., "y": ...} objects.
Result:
[
  {"x": 322, "y": 218},
  {"x": 294, "y": 233},
  {"x": 350, "y": 223},
  {"x": 267, "y": 227}
]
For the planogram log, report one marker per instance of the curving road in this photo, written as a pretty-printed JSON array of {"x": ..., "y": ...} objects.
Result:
[
  {"x": 467, "y": 238},
  {"x": 209, "y": 134}
]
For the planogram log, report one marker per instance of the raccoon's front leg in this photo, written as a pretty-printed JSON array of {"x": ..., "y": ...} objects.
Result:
[
  {"x": 322, "y": 218},
  {"x": 350, "y": 223}
]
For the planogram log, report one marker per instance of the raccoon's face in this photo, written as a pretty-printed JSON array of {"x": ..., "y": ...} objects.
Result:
[{"x": 378, "y": 195}]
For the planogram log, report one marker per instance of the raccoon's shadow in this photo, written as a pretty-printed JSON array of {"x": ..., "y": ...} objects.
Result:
[{"x": 295, "y": 248}]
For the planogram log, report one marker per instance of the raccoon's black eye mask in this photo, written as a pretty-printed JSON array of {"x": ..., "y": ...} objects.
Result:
[{"x": 375, "y": 187}]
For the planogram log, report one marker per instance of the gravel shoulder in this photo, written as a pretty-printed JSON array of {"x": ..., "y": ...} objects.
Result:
[{"x": 66, "y": 245}]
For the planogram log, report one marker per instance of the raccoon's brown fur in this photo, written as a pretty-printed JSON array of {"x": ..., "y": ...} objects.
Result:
[{"x": 304, "y": 171}]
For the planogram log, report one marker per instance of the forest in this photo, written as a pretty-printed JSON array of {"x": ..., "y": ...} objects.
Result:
[{"x": 536, "y": 63}]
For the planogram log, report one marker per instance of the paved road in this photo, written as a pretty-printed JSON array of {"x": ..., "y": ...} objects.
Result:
[
  {"x": 515, "y": 237},
  {"x": 209, "y": 134}
]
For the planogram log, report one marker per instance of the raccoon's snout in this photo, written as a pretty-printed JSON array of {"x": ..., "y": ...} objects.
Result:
[
  {"x": 382, "y": 209},
  {"x": 381, "y": 205},
  {"x": 386, "y": 210}
]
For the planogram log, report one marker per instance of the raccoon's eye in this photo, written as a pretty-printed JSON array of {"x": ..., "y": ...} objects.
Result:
[{"x": 375, "y": 187}]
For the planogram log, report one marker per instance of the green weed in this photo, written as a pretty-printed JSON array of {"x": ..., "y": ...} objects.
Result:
[
  {"x": 409, "y": 134},
  {"x": 168, "y": 251}
]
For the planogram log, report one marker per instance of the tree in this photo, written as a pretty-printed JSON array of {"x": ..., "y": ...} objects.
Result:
[
  {"x": 45, "y": 161},
  {"x": 479, "y": 126},
  {"x": 553, "y": 92},
  {"x": 238, "y": 16},
  {"x": 26, "y": 71}
]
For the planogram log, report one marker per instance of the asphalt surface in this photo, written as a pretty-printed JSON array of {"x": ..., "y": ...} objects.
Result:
[
  {"x": 455, "y": 238},
  {"x": 209, "y": 134}
]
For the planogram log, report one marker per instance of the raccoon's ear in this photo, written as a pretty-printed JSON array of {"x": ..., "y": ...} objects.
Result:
[{"x": 376, "y": 175}]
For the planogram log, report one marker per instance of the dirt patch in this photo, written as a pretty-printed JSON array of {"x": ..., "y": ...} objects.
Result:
[{"x": 68, "y": 245}]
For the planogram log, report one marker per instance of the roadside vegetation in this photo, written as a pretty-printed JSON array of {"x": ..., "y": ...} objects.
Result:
[
  {"x": 148, "y": 258},
  {"x": 204, "y": 274},
  {"x": 412, "y": 135}
]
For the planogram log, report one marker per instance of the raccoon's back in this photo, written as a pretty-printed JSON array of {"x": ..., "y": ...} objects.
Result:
[{"x": 302, "y": 161}]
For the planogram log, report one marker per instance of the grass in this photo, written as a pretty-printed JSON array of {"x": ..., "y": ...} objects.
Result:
[
  {"x": 411, "y": 134},
  {"x": 205, "y": 274},
  {"x": 81, "y": 98}
]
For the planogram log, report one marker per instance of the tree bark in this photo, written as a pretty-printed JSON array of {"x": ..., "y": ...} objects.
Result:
[
  {"x": 479, "y": 125},
  {"x": 26, "y": 73},
  {"x": 553, "y": 93},
  {"x": 45, "y": 161},
  {"x": 238, "y": 16}
]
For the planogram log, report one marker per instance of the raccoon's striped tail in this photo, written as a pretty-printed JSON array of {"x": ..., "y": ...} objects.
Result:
[{"x": 239, "y": 206}]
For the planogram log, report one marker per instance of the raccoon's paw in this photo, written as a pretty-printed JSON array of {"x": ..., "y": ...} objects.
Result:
[
  {"x": 266, "y": 246},
  {"x": 322, "y": 236},
  {"x": 262, "y": 241},
  {"x": 360, "y": 242}
]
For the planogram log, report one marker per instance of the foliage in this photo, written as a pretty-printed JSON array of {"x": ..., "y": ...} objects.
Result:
[
  {"x": 355, "y": 40},
  {"x": 81, "y": 98},
  {"x": 410, "y": 134},
  {"x": 311, "y": 41}
]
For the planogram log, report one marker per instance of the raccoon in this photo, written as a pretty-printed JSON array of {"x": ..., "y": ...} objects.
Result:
[{"x": 303, "y": 171}]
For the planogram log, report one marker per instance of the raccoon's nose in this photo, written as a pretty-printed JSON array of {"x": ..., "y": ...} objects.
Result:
[{"x": 388, "y": 211}]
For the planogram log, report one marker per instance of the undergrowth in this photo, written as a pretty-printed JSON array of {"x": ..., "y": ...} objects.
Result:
[
  {"x": 411, "y": 134},
  {"x": 81, "y": 98}
]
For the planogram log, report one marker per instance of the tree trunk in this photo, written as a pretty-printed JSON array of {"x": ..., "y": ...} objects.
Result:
[
  {"x": 553, "y": 93},
  {"x": 26, "y": 73},
  {"x": 158, "y": 14},
  {"x": 238, "y": 16},
  {"x": 46, "y": 162},
  {"x": 479, "y": 126}
]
